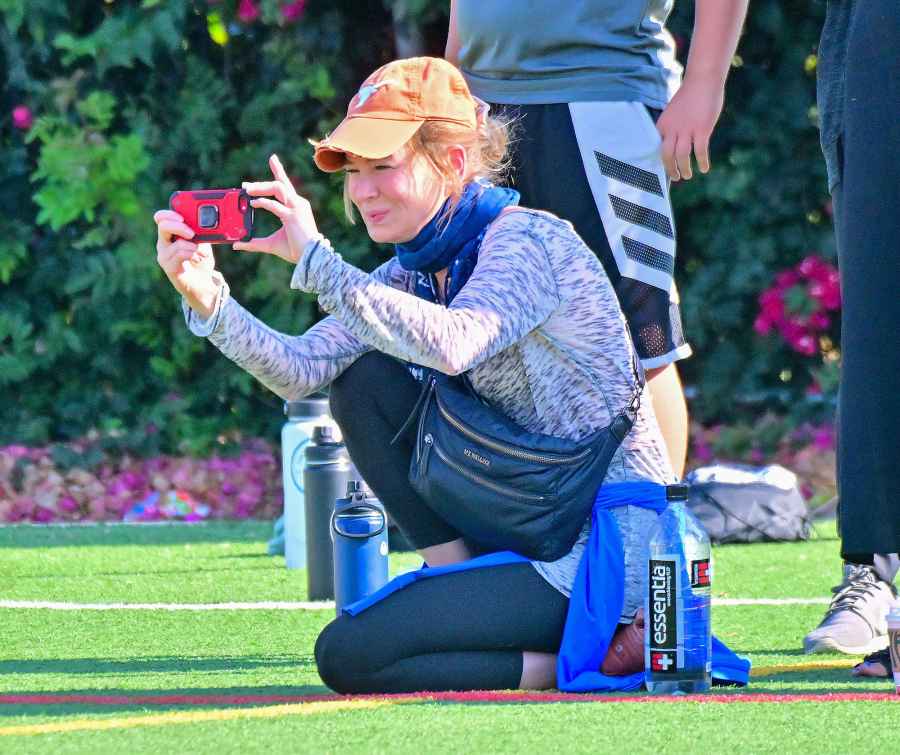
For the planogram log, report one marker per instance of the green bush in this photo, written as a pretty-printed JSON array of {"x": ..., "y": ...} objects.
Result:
[
  {"x": 135, "y": 99},
  {"x": 762, "y": 208}
]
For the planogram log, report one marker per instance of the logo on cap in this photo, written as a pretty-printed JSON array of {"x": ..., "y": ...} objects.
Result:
[{"x": 368, "y": 90}]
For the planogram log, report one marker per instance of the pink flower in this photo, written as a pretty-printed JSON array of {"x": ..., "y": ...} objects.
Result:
[
  {"x": 293, "y": 11},
  {"x": 247, "y": 11},
  {"x": 805, "y": 344},
  {"x": 67, "y": 503},
  {"x": 23, "y": 118},
  {"x": 787, "y": 278},
  {"x": 823, "y": 438},
  {"x": 762, "y": 325},
  {"x": 42, "y": 515},
  {"x": 703, "y": 451},
  {"x": 819, "y": 320},
  {"x": 813, "y": 267}
]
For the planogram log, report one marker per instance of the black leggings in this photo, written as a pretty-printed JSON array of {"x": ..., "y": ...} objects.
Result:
[
  {"x": 867, "y": 220},
  {"x": 454, "y": 632}
]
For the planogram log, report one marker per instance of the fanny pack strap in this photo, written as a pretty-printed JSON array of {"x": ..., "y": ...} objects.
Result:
[{"x": 629, "y": 413}]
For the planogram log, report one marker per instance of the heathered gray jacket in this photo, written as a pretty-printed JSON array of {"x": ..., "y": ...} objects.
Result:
[{"x": 537, "y": 327}]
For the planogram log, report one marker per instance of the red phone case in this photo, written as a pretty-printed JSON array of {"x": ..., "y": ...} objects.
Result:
[{"x": 218, "y": 216}]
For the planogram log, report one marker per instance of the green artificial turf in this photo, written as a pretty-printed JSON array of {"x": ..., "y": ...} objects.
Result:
[{"x": 270, "y": 652}]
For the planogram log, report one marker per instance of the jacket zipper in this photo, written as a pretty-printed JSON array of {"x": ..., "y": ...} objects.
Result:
[
  {"x": 421, "y": 429},
  {"x": 502, "y": 448},
  {"x": 475, "y": 478}
]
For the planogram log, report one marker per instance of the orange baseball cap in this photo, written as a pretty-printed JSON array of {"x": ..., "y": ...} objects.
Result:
[{"x": 391, "y": 106}]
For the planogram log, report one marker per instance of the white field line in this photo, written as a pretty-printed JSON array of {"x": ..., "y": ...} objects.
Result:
[
  {"x": 315, "y": 605},
  {"x": 266, "y": 605},
  {"x": 771, "y": 601}
]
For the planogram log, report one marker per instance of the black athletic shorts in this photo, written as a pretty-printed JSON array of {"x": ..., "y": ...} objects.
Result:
[{"x": 598, "y": 165}]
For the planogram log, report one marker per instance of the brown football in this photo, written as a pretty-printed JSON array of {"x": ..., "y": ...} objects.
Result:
[{"x": 626, "y": 650}]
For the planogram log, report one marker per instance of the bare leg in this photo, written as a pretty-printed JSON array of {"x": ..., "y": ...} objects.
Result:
[
  {"x": 538, "y": 671},
  {"x": 671, "y": 413},
  {"x": 443, "y": 554}
]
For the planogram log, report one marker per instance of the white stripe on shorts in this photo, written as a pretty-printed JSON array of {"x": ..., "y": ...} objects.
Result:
[{"x": 620, "y": 149}]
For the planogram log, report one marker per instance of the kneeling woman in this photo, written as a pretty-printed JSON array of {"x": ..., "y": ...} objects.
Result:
[{"x": 512, "y": 297}]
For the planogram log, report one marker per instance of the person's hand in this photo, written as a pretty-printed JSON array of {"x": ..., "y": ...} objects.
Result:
[
  {"x": 190, "y": 267},
  {"x": 686, "y": 126},
  {"x": 298, "y": 226}
]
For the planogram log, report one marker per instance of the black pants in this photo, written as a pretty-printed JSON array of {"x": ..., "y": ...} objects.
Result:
[
  {"x": 867, "y": 220},
  {"x": 454, "y": 632}
]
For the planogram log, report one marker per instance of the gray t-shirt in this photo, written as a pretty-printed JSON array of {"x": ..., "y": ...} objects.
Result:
[
  {"x": 537, "y": 328},
  {"x": 537, "y": 51}
]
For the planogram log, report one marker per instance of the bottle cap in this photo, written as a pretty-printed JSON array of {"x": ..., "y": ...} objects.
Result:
[
  {"x": 323, "y": 435},
  {"x": 310, "y": 407},
  {"x": 677, "y": 492}
]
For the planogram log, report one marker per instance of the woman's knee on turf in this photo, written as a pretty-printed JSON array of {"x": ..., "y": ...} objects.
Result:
[{"x": 342, "y": 658}]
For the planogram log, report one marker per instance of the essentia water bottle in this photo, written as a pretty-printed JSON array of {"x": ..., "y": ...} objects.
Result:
[
  {"x": 302, "y": 417},
  {"x": 677, "y": 628}
]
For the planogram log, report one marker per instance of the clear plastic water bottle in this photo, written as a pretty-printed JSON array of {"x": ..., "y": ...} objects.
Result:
[
  {"x": 302, "y": 417},
  {"x": 677, "y": 627}
]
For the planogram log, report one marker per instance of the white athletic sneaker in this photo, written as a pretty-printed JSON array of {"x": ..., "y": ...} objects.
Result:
[{"x": 855, "y": 622}]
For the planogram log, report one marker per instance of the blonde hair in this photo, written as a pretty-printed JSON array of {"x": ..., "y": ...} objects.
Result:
[{"x": 487, "y": 154}]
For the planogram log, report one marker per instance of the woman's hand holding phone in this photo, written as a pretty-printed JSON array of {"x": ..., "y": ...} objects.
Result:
[
  {"x": 190, "y": 267},
  {"x": 298, "y": 226}
]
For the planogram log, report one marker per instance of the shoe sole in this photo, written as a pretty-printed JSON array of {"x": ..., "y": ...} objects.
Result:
[{"x": 830, "y": 645}]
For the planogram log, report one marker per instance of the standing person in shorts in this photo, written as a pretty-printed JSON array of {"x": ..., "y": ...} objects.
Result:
[
  {"x": 605, "y": 122},
  {"x": 859, "y": 112}
]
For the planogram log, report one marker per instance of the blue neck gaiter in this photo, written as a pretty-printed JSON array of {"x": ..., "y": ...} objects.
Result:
[{"x": 453, "y": 244}]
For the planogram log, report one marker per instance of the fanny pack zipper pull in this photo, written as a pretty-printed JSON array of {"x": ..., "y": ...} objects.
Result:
[{"x": 427, "y": 383}]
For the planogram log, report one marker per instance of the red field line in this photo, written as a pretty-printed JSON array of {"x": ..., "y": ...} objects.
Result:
[{"x": 449, "y": 697}]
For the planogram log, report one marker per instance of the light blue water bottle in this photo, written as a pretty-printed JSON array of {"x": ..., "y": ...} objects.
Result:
[
  {"x": 359, "y": 532},
  {"x": 677, "y": 629},
  {"x": 302, "y": 417}
]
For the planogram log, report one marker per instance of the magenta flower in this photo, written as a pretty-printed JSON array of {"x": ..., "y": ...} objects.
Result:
[
  {"x": 798, "y": 302},
  {"x": 823, "y": 438},
  {"x": 247, "y": 11},
  {"x": 23, "y": 118},
  {"x": 762, "y": 325},
  {"x": 42, "y": 515},
  {"x": 787, "y": 278},
  {"x": 293, "y": 11},
  {"x": 805, "y": 344},
  {"x": 703, "y": 452}
]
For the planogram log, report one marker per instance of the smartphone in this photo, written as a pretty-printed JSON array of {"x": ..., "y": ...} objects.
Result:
[{"x": 217, "y": 216}]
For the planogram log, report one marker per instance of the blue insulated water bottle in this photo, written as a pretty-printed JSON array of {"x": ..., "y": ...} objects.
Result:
[
  {"x": 359, "y": 531},
  {"x": 302, "y": 417}
]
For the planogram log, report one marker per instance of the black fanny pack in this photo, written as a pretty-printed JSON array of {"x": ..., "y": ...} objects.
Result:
[{"x": 501, "y": 486}]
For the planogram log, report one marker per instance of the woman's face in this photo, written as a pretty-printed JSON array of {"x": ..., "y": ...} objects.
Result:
[{"x": 396, "y": 195}]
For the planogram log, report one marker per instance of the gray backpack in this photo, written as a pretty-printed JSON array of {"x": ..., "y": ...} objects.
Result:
[{"x": 742, "y": 504}]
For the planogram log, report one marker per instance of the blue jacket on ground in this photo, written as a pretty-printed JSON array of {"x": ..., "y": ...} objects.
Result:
[{"x": 596, "y": 601}]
